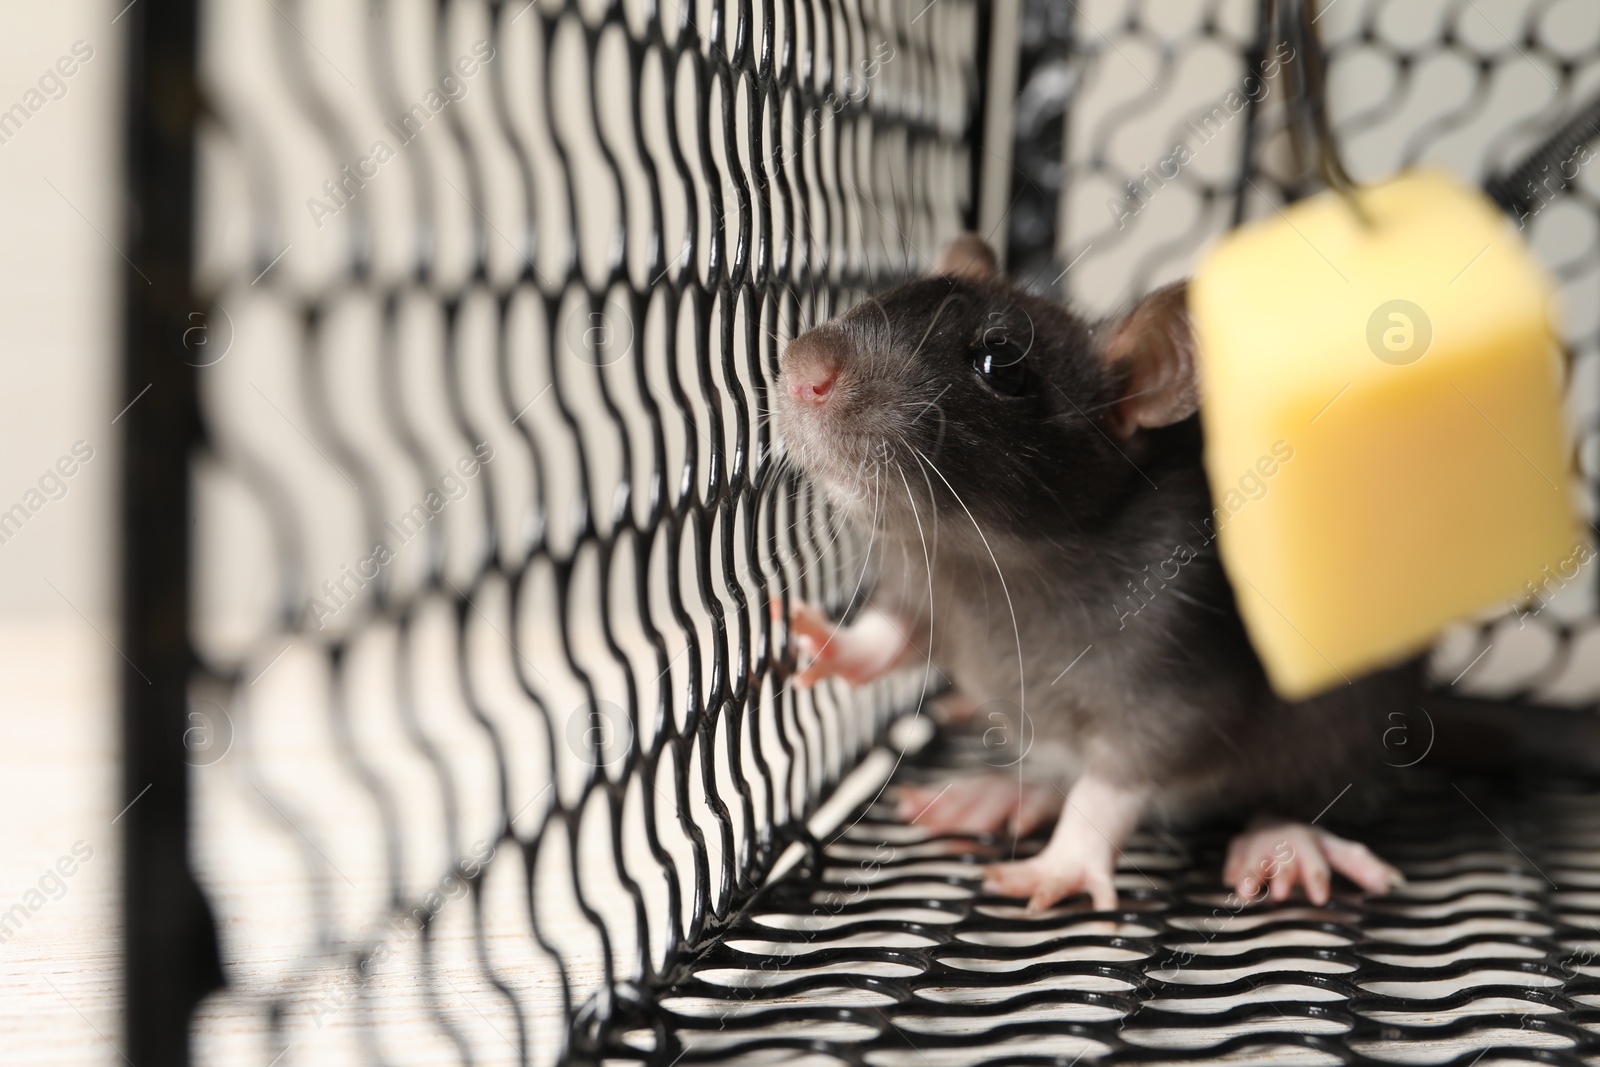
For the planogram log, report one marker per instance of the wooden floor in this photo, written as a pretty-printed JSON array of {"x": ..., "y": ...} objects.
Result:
[{"x": 59, "y": 973}]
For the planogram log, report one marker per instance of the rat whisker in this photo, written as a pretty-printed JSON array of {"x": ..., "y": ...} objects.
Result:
[
  {"x": 1175, "y": 591},
  {"x": 938, "y": 441},
  {"x": 927, "y": 560},
  {"x": 888, "y": 329},
  {"x": 1022, "y": 683},
  {"x": 800, "y": 503},
  {"x": 1106, "y": 436},
  {"x": 872, "y": 284},
  {"x": 772, "y": 475},
  {"x": 932, "y": 403},
  {"x": 815, "y": 504},
  {"x": 866, "y": 560},
  {"x": 819, "y": 552},
  {"x": 1085, "y": 410},
  {"x": 932, "y": 323},
  {"x": 933, "y": 507},
  {"x": 927, "y": 658}
]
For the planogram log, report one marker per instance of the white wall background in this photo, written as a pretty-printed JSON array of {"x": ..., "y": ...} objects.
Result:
[
  {"x": 60, "y": 282},
  {"x": 59, "y": 289}
]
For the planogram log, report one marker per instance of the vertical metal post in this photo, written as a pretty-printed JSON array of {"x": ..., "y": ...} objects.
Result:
[
  {"x": 169, "y": 938},
  {"x": 1254, "y": 57},
  {"x": 1025, "y": 200},
  {"x": 994, "y": 120}
]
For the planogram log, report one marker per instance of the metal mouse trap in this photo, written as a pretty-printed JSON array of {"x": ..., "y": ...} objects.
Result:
[
  {"x": 450, "y": 558},
  {"x": 883, "y": 952}
]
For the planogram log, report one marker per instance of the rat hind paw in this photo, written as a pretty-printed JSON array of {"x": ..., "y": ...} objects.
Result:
[
  {"x": 983, "y": 805},
  {"x": 1081, "y": 856},
  {"x": 953, "y": 708},
  {"x": 1046, "y": 879},
  {"x": 1276, "y": 855}
]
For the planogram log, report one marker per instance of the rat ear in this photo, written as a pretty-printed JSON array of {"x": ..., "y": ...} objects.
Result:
[
  {"x": 1156, "y": 344},
  {"x": 969, "y": 258}
]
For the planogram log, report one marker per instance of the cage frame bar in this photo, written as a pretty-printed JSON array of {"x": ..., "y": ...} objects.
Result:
[{"x": 170, "y": 956}]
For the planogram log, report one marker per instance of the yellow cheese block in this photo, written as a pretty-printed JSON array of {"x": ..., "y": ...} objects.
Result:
[{"x": 1384, "y": 437}]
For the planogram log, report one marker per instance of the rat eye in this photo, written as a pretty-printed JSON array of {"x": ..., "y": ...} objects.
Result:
[{"x": 1003, "y": 370}]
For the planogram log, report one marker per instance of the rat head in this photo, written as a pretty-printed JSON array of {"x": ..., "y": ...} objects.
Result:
[{"x": 962, "y": 391}]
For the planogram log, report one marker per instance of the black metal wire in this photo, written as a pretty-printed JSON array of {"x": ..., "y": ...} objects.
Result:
[
  {"x": 612, "y": 567},
  {"x": 886, "y": 952},
  {"x": 705, "y": 180},
  {"x": 1310, "y": 132},
  {"x": 1518, "y": 189}
]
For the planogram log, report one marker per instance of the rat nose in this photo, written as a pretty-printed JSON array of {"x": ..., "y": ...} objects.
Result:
[
  {"x": 813, "y": 387},
  {"x": 810, "y": 371}
]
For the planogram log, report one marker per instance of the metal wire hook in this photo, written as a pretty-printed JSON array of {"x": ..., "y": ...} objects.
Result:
[{"x": 1308, "y": 100}]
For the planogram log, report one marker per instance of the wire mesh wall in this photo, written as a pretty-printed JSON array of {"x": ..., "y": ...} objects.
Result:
[
  {"x": 1144, "y": 130},
  {"x": 487, "y": 731},
  {"x": 487, "y": 726}
]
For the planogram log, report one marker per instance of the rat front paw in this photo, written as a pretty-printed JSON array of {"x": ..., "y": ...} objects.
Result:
[
  {"x": 1277, "y": 855},
  {"x": 860, "y": 653},
  {"x": 1048, "y": 878}
]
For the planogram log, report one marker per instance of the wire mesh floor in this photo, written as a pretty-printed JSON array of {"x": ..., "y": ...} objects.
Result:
[{"x": 882, "y": 951}]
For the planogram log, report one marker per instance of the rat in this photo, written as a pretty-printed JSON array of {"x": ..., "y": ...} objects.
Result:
[{"x": 1044, "y": 537}]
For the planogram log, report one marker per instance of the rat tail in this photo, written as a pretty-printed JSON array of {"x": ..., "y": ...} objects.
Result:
[{"x": 1490, "y": 736}]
